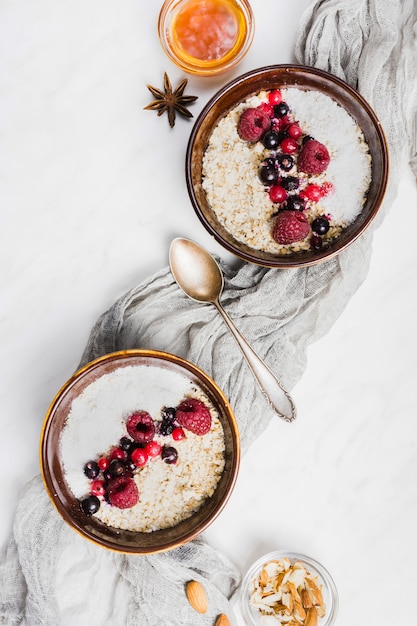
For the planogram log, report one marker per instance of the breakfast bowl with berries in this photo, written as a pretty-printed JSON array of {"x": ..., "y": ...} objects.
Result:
[
  {"x": 139, "y": 451},
  {"x": 286, "y": 166}
]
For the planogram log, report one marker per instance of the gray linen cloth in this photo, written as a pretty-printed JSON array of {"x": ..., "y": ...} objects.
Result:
[{"x": 48, "y": 574}]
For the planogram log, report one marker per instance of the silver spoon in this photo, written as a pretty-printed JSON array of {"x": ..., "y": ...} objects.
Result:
[{"x": 200, "y": 277}]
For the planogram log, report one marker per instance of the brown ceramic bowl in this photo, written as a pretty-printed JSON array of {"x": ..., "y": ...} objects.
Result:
[
  {"x": 268, "y": 78},
  {"x": 69, "y": 507}
]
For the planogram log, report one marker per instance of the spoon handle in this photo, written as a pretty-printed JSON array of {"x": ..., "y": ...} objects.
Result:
[{"x": 279, "y": 399}]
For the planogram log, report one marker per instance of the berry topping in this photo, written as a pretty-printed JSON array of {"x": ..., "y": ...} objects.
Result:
[
  {"x": 139, "y": 457},
  {"x": 117, "y": 453},
  {"x": 313, "y": 158},
  {"x": 307, "y": 138},
  {"x": 153, "y": 448},
  {"x": 289, "y": 145},
  {"x": 194, "y": 415},
  {"x": 98, "y": 488},
  {"x": 320, "y": 225},
  {"x": 313, "y": 192},
  {"x": 90, "y": 505},
  {"x": 290, "y": 183},
  {"x": 316, "y": 241},
  {"x": 281, "y": 109},
  {"x": 275, "y": 97},
  {"x": 267, "y": 108},
  {"x": 123, "y": 492},
  {"x": 268, "y": 175},
  {"x": 290, "y": 226},
  {"x": 91, "y": 469},
  {"x": 125, "y": 443},
  {"x": 166, "y": 427},
  {"x": 327, "y": 187},
  {"x": 294, "y": 131},
  {"x": 295, "y": 203},
  {"x": 169, "y": 455},
  {"x": 116, "y": 468},
  {"x": 271, "y": 140},
  {"x": 252, "y": 124},
  {"x": 141, "y": 427},
  {"x": 178, "y": 434},
  {"x": 271, "y": 162},
  {"x": 286, "y": 162},
  {"x": 168, "y": 413},
  {"x": 277, "y": 193},
  {"x": 103, "y": 463}
]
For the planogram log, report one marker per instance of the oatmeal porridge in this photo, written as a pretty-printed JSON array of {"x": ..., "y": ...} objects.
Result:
[
  {"x": 254, "y": 181},
  {"x": 142, "y": 448}
]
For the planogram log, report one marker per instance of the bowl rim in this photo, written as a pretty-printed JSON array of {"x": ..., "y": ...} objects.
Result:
[
  {"x": 321, "y": 570},
  {"x": 50, "y": 482},
  {"x": 294, "y": 260}
]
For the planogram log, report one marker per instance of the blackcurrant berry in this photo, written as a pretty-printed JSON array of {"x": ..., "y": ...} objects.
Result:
[
  {"x": 290, "y": 183},
  {"x": 91, "y": 469},
  {"x": 281, "y": 109},
  {"x": 271, "y": 140},
  {"x": 169, "y": 454},
  {"x": 286, "y": 162},
  {"x": 320, "y": 225},
  {"x": 90, "y": 505},
  {"x": 268, "y": 175},
  {"x": 295, "y": 203}
]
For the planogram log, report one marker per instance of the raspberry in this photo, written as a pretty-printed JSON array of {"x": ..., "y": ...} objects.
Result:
[
  {"x": 290, "y": 226},
  {"x": 140, "y": 427},
  {"x": 123, "y": 492},
  {"x": 313, "y": 158},
  {"x": 252, "y": 124},
  {"x": 267, "y": 108},
  {"x": 327, "y": 188},
  {"x": 194, "y": 415}
]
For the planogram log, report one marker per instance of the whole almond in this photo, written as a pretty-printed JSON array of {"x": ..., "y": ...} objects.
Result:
[
  {"x": 196, "y": 596},
  {"x": 222, "y": 620}
]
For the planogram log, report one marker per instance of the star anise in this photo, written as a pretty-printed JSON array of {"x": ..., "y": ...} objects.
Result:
[{"x": 171, "y": 101}]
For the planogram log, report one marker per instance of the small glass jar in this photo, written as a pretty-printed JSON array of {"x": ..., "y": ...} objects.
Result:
[
  {"x": 328, "y": 588},
  {"x": 206, "y": 37}
]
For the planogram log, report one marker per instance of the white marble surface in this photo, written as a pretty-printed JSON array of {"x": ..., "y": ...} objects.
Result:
[{"x": 92, "y": 192}]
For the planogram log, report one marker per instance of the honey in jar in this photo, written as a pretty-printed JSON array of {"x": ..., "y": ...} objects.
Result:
[{"x": 206, "y": 36}]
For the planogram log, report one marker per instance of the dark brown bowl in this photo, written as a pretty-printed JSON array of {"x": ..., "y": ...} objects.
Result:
[
  {"x": 68, "y": 506},
  {"x": 268, "y": 78}
]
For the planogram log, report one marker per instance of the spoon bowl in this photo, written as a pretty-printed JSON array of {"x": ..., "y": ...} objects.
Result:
[{"x": 200, "y": 278}]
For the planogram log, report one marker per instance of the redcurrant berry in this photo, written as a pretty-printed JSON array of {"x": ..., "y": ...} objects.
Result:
[
  {"x": 277, "y": 194},
  {"x": 139, "y": 457},
  {"x": 178, "y": 434},
  {"x": 153, "y": 448},
  {"x": 289, "y": 145},
  {"x": 275, "y": 97}
]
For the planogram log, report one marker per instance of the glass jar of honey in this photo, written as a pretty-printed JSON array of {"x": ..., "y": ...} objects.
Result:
[{"x": 206, "y": 37}]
